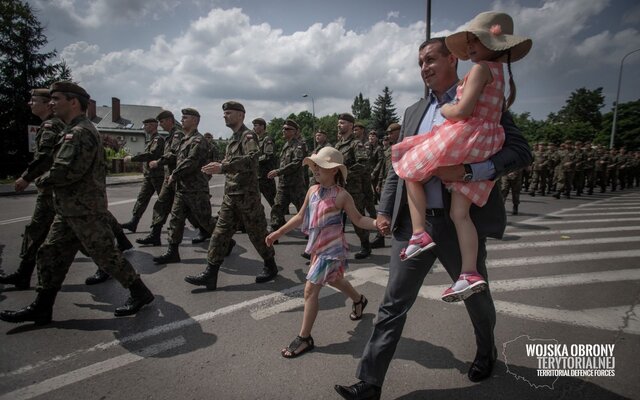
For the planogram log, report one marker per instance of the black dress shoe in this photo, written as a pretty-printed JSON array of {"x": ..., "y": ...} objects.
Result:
[
  {"x": 99, "y": 277},
  {"x": 360, "y": 391},
  {"x": 481, "y": 369}
]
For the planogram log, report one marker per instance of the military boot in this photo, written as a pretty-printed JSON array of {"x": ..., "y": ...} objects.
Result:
[
  {"x": 153, "y": 238},
  {"x": 140, "y": 296},
  {"x": 232, "y": 244},
  {"x": 123, "y": 243},
  {"x": 21, "y": 279},
  {"x": 515, "y": 209},
  {"x": 99, "y": 277},
  {"x": 132, "y": 225},
  {"x": 171, "y": 256},
  {"x": 208, "y": 278},
  {"x": 202, "y": 236},
  {"x": 557, "y": 195},
  {"x": 365, "y": 251},
  {"x": 378, "y": 242},
  {"x": 269, "y": 271},
  {"x": 40, "y": 311}
]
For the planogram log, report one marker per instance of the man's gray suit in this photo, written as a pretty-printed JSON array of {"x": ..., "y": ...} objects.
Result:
[{"x": 406, "y": 277}]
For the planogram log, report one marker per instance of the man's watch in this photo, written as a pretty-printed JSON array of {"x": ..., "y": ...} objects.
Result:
[{"x": 468, "y": 173}]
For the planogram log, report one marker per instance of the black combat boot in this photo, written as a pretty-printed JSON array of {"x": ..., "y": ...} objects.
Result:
[
  {"x": 232, "y": 244},
  {"x": 378, "y": 242},
  {"x": 171, "y": 256},
  {"x": 269, "y": 271},
  {"x": 131, "y": 225},
  {"x": 99, "y": 277},
  {"x": 208, "y": 278},
  {"x": 153, "y": 238},
  {"x": 40, "y": 311},
  {"x": 365, "y": 251},
  {"x": 140, "y": 296},
  {"x": 123, "y": 243},
  {"x": 515, "y": 209},
  {"x": 21, "y": 279},
  {"x": 557, "y": 195},
  {"x": 202, "y": 236}
]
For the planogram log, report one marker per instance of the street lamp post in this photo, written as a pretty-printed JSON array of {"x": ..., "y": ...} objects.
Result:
[
  {"x": 615, "y": 107},
  {"x": 313, "y": 111}
]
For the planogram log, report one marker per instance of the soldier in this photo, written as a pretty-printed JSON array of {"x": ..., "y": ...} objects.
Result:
[
  {"x": 602, "y": 165},
  {"x": 565, "y": 170},
  {"x": 512, "y": 182},
  {"x": 291, "y": 187},
  {"x": 36, "y": 231},
  {"x": 376, "y": 161},
  {"x": 153, "y": 177},
  {"x": 305, "y": 169},
  {"x": 612, "y": 169},
  {"x": 589, "y": 166},
  {"x": 78, "y": 180},
  {"x": 192, "y": 186},
  {"x": 623, "y": 167},
  {"x": 393, "y": 132},
  {"x": 540, "y": 170},
  {"x": 241, "y": 201},
  {"x": 321, "y": 142},
  {"x": 355, "y": 159},
  {"x": 367, "y": 190},
  {"x": 267, "y": 161},
  {"x": 214, "y": 152},
  {"x": 580, "y": 163}
]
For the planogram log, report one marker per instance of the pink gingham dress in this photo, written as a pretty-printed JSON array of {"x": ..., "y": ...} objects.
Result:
[{"x": 472, "y": 140}]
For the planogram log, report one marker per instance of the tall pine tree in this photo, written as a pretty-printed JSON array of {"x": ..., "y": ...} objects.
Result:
[
  {"x": 384, "y": 112},
  {"x": 361, "y": 108}
]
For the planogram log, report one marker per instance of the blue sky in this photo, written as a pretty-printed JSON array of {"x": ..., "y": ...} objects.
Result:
[{"x": 267, "y": 54}]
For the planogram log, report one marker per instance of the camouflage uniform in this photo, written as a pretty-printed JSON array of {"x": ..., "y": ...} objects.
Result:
[
  {"x": 153, "y": 177},
  {"x": 312, "y": 179},
  {"x": 602, "y": 165},
  {"x": 367, "y": 187},
  {"x": 162, "y": 208},
  {"x": 78, "y": 179},
  {"x": 241, "y": 200},
  {"x": 612, "y": 169},
  {"x": 192, "y": 187},
  {"x": 589, "y": 167},
  {"x": 267, "y": 162},
  {"x": 378, "y": 159},
  {"x": 540, "y": 172},
  {"x": 624, "y": 167},
  {"x": 565, "y": 171},
  {"x": 580, "y": 163},
  {"x": 512, "y": 182},
  {"x": 291, "y": 186}
]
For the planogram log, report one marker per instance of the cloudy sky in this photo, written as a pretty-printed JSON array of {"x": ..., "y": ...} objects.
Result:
[{"x": 268, "y": 53}]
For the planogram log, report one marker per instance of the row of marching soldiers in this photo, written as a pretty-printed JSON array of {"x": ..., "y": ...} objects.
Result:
[{"x": 69, "y": 170}]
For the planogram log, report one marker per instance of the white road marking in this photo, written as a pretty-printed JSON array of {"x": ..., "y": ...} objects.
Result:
[
  {"x": 572, "y": 231},
  {"x": 87, "y": 372},
  {"x": 562, "y": 242},
  {"x": 600, "y": 214},
  {"x": 543, "y": 222}
]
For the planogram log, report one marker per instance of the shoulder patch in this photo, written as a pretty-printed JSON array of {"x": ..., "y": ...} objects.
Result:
[
  {"x": 48, "y": 125},
  {"x": 249, "y": 135},
  {"x": 68, "y": 136}
]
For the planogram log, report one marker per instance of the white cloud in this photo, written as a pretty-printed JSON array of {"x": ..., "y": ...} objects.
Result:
[{"x": 393, "y": 14}]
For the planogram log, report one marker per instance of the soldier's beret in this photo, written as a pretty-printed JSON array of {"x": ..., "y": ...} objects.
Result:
[
  {"x": 321, "y": 131},
  {"x": 149, "y": 121},
  {"x": 208, "y": 135},
  {"x": 373, "y": 132},
  {"x": 259, "y": 121},
  {"x": 347, "y": 117},
  {"x": 164, "y": 114},
  {"x": 68, "y": 87},
  {"x": 393, "y": 127},
  {"x": 41, "y": 93},
  {"x": 233, "y": 105},
  {"x": 292, "y": 124},
  {"x": 190, "y": 111},
  {"x": 359, "y": 124}
]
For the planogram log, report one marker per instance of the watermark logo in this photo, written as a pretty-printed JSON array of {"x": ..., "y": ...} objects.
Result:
[{"x": 540, "y": 362}]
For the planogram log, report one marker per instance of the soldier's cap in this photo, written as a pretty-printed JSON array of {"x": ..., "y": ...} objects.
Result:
[
  {"x": 292, "y": 124},
  {"x": 233, "y": 105},
  {"x": 394, "y": 127},
  {"x": 190, "y": 111},
  {"x": 150, "y": 121},
  {"x": 259, "y": 121},
  {"x": 327, "y": 157},
  {"x": 359, "y": 125},
  {"x": 373, "y": 132},
  {"x": 347, "y": 117},
  {"x": 164, "y": 114},
  {"x": 68, "y": 87},
  {"x": 386, "y": 137},
  {"x": 208, "y": 135},
  {"x": 321, "y": 131},
  {"x": 568, "y": 142},
  {"x": 41, "y": 93}
]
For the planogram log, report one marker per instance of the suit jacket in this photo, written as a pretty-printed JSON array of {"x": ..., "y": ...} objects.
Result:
[{"x": 490, "y": 220}]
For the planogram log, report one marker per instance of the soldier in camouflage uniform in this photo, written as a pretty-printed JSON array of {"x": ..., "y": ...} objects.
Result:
[
  {"x": 305, "y": 151},
  {"x": 589, "y": 167},
  {"x": 153, "y": 177},
  {"x": 612, "y": 169},
  {"x": 78, "y": 180},
  {"x": 321, "y": 142},
  {"x": 291, "y": 187},
  {"x": 367, "y": 188},
  {"x": 192, "y": 186},
  {"x": 267, "y": 161},
  {"x": 241, "y": 201},
  {"x": 565, "y": 170},
  {"x": 540, "y": 170},
  {"x": 553, "y": 158},
  {"x": 214, "y": 152},
  {"x": 624, "y": 165},
  {"x": 355, "y": 159},
  {"x": 581, "y": 162},
  {"x": 512, "y": 182},
  {"x": 602, "y": 165},
  {"x": 376, "y": 161},
  {"x": 36, "y": 230}
]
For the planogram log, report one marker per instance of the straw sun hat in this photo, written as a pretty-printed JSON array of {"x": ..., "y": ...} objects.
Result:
[
  {"x": 495, "y": 31},
  {"x": 328, "y": 158}
]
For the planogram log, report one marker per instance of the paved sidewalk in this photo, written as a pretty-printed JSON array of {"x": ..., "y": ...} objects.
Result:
[{"x": 7, "y": 189}]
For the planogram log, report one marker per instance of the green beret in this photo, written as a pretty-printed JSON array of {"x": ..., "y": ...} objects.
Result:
[
  {"x": 164, "y": 114},
  {"x": 373, "y": 132},
  {"x": 292, "y": 123},
  {"x": 68, "y": 87},
  {"x": 347, "y": 117},
  {"x": 41, "y": 93},
  {"x": 259, "y": 121},
  {"x": 359, "y": 124},
  {"x": 394, "y": 127},
  {"x": 321, "y": 131},
  {"x": 150, "y": 121},
  {"x": 208, "y": 135},
  {"x": 233, "y": 105},
  {"x": 190, "y": 111}
]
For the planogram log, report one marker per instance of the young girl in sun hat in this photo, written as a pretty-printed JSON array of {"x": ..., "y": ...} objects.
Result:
[
  {"x": 471, "y": 133},
  {"x": 321, "y": 218}
]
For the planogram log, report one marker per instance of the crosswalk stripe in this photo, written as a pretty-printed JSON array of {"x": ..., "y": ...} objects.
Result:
[
  {"x": 564, "y": 242},
  {"x": 573, "y": 231},
  {"x": 598, "y": 214},
  {"x": 539, "y": 221}
]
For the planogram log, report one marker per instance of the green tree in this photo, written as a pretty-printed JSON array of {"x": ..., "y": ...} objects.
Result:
[
  {"x": 361, "y": 108},
  {"x": 22, "y": 68},
  {"x": 384, "y": 112},
  {"x": 583, "y": 105},
  {"x": 627, "y": 127}
]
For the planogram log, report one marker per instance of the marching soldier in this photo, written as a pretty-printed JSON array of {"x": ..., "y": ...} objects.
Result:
[
  {"x": 565, "y": 170},
  {"x": 540, "y": 170},
  {"x": 214, "y": 152},
  {"x": 581, "y": 162},
  {"x": 512, "y": 182},
  {"x": 612, "y": 169},
  {"x": 589, "y": 167},
  {"x": 321, "y": 142},
  {"x": 376, "y": 161},
  {"x": 267, "y": 161},
  {"x": 367, "y": 190},
  {"x": 602, "y": 167}
]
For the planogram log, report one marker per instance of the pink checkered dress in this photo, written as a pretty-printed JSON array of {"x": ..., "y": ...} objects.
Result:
[{"x": 472, "y": 140}]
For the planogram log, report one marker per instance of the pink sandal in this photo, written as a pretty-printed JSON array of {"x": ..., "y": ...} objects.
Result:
[
  {"x": 464, "y": 287},
  {"x": 417, "y": 245}
]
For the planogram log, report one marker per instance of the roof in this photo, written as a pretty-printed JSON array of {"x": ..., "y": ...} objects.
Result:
[{"x": 131, "y": 116}]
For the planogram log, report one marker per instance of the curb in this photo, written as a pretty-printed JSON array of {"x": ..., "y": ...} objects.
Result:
[{"x": 6, "y": 189}]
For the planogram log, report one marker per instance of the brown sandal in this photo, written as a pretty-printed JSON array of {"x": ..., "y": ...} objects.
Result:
[
  {"x": 291, "y": 350},
  {"x": 355, "y": 315}
]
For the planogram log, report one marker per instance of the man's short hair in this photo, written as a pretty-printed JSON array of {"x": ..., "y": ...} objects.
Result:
[{"x": 444, "y": 50}]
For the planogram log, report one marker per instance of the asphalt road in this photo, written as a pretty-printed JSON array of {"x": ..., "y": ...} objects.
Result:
[{"x": 566, "y": 275}]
